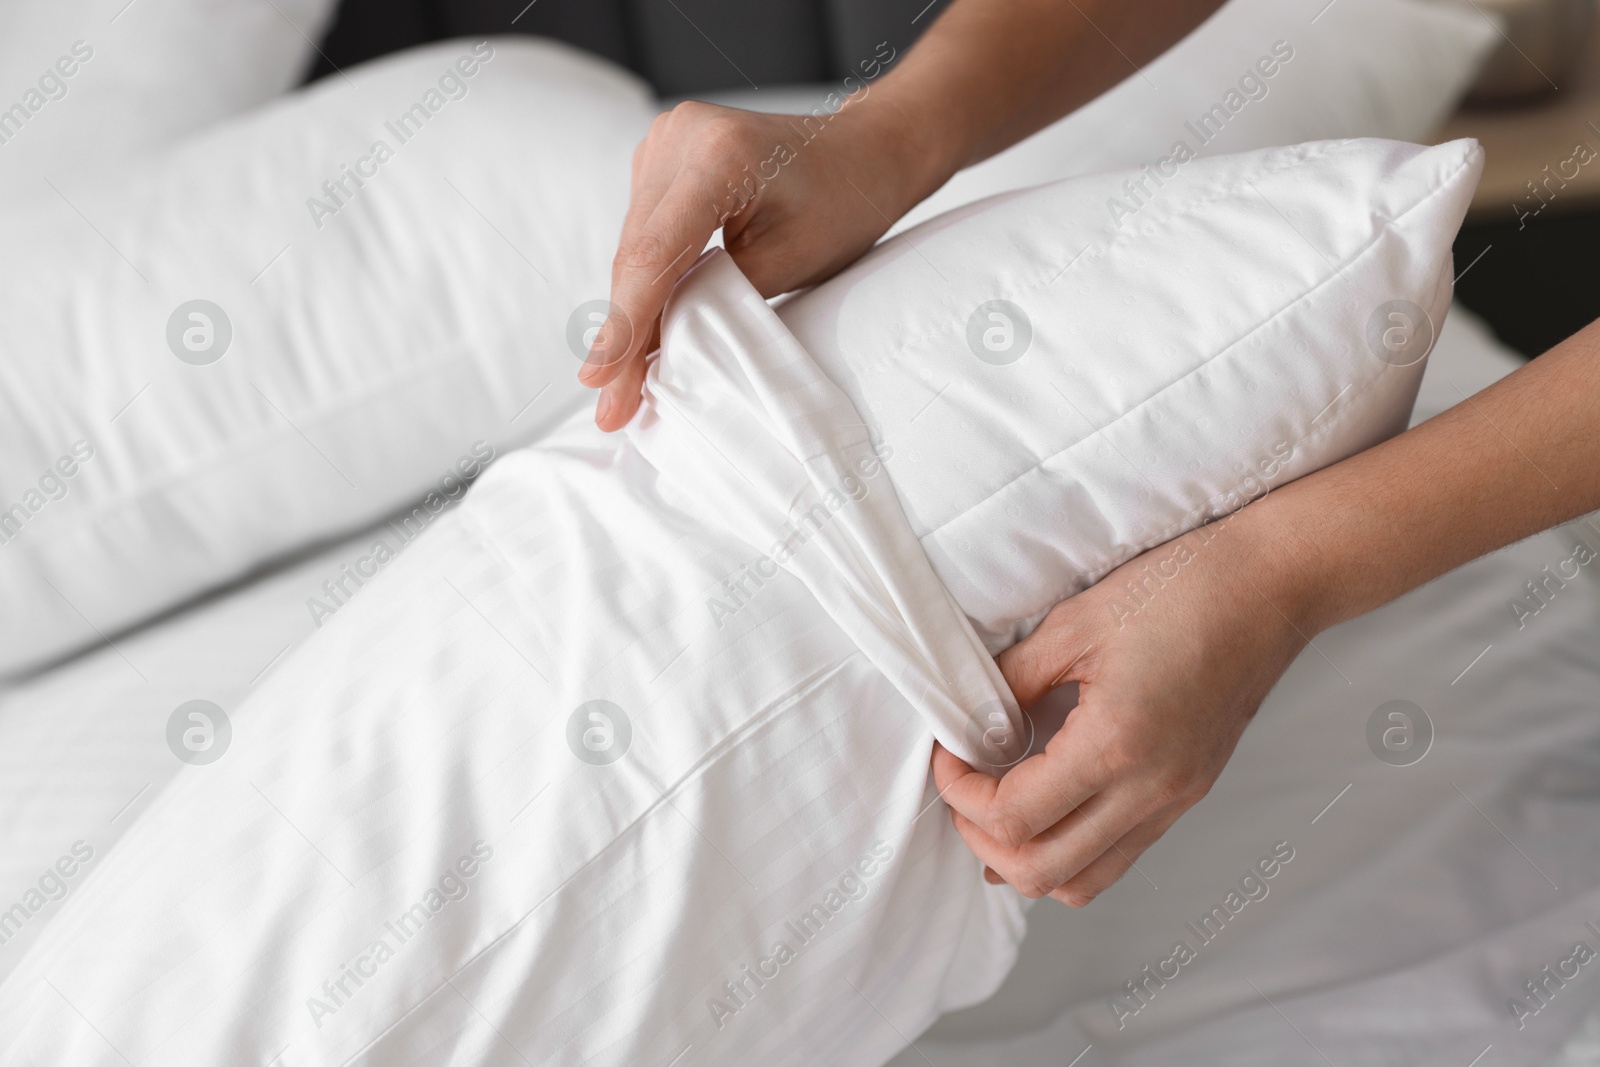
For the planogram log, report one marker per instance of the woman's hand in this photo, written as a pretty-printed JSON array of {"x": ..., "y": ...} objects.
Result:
[
  {"x": 798, "y": 197},
  {"x": 1173, "y": 652}
]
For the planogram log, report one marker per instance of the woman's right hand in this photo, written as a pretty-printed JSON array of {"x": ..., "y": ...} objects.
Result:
[
  {"x": 1168, "y": 678},
  {"x": 798, "y": 197},
  {"x": 1168, "y": 681}
]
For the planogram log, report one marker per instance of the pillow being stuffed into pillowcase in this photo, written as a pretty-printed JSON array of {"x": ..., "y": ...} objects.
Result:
[{"x": 1069, "y": 375}]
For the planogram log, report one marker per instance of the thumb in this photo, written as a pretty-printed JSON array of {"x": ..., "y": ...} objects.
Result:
[{"x": 1059, "y": 650}]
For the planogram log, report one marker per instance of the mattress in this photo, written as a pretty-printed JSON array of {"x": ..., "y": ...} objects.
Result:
[{"x": 1417, "y": 899}]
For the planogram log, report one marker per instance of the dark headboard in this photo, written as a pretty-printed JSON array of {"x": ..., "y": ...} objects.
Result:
[{"x": 680, "y": 46}]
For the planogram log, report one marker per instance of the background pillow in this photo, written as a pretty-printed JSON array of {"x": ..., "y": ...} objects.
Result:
[
  {"x": 1356, "y": 68},
  {"x": 89, "y": 82},
  {"x": 1109, "y": 371},
  {"x": 295, "y": 323}
]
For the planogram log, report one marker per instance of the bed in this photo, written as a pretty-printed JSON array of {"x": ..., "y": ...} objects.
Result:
[
  {"x": 1416, "y": 897},
  {"x": 1419, "y": 898},
  {"x": 1428, "y": 892}
]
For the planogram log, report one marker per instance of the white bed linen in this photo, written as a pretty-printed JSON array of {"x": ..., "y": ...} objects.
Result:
[
  {"x": 83, "y": 744},
  {"x": 80, "y": 743},
  {"x": 342, "y": 361},
  {"x": 406, "y": 742},
  {"x": 84, "y": 739},
  {"x": 408, "y": 739},
  {"x": 428, "y": 726},
  {"x": 92, "y": 84},
  {"x": 1406, "y": 920}
]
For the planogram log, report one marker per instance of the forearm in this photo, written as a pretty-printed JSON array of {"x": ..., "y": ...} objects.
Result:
[
  {"x": 1520, "y": 457},
  {"x": 988, "y": 73}
]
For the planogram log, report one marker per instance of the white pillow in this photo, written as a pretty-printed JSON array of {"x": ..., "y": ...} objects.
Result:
[
  {"x": 89, "y": 82},
  {"x": 370, "y": 347},
  {"x": 1358, "y": 68},
  {"x": 1258, "y": 317}
]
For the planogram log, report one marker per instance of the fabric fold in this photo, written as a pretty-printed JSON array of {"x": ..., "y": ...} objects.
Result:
[{"x": 748, "y": 430}]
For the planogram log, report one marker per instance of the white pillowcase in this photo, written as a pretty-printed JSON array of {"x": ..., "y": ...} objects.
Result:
[
  {"x": 381, "y": 340},
  {"x": 133, "y": 76},
  {"x": 1254, "y": 318}
]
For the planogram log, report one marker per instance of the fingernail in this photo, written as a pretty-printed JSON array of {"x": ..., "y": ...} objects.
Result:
[
  {"x": 610, "y": 342},
  {"x": 603, "y": 408}
]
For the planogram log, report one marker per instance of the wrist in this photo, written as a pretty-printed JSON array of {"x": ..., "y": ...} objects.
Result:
[
  {"x": 918, "y": 156},
  {"x": 1287, "y": 565}
]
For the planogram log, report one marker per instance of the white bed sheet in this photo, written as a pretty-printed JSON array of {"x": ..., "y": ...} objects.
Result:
[{"x": 1404, "y": 911}]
